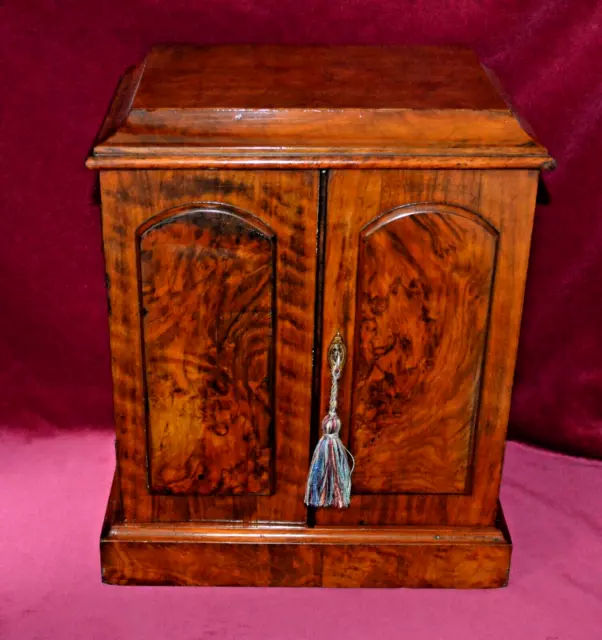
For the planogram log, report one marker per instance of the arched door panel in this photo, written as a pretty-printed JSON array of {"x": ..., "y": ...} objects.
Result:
[
  {"x": 423, "y": 291},
  {"x": 207, "y": 294}
]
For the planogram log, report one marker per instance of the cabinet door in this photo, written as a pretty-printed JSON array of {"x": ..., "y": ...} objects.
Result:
[
  {"x": 424, "y": 276},
  {"x": 212, "y": 286}
]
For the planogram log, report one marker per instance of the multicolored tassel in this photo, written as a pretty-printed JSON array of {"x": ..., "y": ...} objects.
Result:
[{"x": 329, "y": 479}]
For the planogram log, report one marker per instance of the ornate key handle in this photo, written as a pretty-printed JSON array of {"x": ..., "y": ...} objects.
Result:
[{"x": 329, "y": 480}]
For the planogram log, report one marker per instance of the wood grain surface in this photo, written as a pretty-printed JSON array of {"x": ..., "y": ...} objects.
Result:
[
  {"x": 276, "y": 76},
  {"x": 197, "y": 554},
  {"x": 286, "y": 204},
  {"x": 208, "y": 295},
  {"x": 423, "y": 288},
  {"x": 230, "y": 266},
  {"x": 271, "y": 555},
  {"x": 269, "y": 106},
  {"x": 163, "y": 157},
  {"x": 505, "y": 201},
  {"x": 429, "y": 565}
]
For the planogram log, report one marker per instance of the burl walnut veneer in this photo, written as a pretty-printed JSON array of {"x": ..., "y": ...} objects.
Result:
[{"x": 257, "y": 200}]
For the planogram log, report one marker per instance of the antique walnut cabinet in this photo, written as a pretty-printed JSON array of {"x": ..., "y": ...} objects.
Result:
[{"x": 256, "y": 202}]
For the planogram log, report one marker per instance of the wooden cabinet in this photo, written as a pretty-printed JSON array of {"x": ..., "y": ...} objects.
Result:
[{"x": 256, "y": 202}]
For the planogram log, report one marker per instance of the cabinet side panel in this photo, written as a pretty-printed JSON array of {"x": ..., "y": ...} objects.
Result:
[
  {"x": 505, "y": 200},
  {"x": 282, "y": 207},
  {"x": 207, "y": 291}
]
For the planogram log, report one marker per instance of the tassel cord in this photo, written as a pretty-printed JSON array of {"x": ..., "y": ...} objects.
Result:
[
  {"x": 332, "y": 409},
  {"x": 329, "y": 479}
]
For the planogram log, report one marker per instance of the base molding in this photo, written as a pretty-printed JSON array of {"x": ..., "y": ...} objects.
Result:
[{"x": 189, "y": 553}]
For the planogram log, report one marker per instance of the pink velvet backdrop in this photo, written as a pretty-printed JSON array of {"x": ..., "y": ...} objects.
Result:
[{"x": 61, "y": 62}]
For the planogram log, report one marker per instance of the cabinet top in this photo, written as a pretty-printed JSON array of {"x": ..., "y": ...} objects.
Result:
[
  {"x": 286, "y": 77},
  {"x": 267, "y": 105}
]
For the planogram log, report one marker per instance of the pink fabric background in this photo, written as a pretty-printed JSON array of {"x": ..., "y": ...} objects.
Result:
[
  {"x": 61, "y": 62},
  {"x": 51, "y": 590}
]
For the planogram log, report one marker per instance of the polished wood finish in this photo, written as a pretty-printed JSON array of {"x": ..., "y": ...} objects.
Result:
[
  {"x": 424, "y": 280},
  {"x": 280, "y": 201},
  {"x": 197, "y": 554},
  {"x": 266, "y": 106},
  {"x": 472, "y": 564},
  {"x": 190, "y": 77},
  {"x": 504, "y": 201},
  {"x": 154, "y": 158},
  {"x": 208, "y": 291},
  {"x": 256, "y": 201}
]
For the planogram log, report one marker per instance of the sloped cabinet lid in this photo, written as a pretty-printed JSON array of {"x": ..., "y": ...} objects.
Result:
[{"x": 312, "y": 106}]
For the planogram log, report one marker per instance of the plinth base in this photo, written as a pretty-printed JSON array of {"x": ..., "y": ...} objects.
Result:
[{"x": 186, "y": 553}]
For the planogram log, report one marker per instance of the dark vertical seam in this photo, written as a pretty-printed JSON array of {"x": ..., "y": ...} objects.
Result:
[{"x": 314, "y": 432}]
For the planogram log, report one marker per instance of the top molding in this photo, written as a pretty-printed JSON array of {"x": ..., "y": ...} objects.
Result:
[{"x": 286, "y": 106}]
